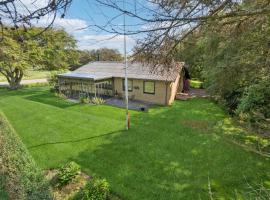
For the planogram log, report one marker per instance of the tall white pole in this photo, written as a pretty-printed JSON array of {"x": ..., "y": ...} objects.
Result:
[{"x": 126, "y": 65}]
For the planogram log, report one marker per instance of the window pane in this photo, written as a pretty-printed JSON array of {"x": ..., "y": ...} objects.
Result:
[
  {"x": 149, "y": 87},
  {"x": 130, "y": 85}
]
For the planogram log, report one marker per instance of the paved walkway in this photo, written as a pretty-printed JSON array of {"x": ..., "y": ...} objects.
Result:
[
  {"x": 192, "y": 93},
  {"x": 132, "y": 104},
  {"x": 26, "y": 82}
]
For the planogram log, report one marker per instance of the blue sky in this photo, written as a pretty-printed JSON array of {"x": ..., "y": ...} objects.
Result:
[{"x": 83, "y": 13}]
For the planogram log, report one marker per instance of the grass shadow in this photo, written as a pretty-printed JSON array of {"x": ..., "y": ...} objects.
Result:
[
  {"x": 50, "y": 99},
  {"x": 160, "y": 158},
  {"x": 74, "y": 141}
]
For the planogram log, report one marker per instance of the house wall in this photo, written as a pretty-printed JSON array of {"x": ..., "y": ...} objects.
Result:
[
  {"x": 164, "y": 91},
  {"x": 137, "y": 94},
  {"x": 174, "y": 88}
]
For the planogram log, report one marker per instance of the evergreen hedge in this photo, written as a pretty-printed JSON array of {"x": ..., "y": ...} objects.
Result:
[{"x": 22, "y": 178}]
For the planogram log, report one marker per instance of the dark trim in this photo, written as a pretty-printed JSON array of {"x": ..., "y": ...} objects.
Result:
[
  {"x": 149, "y": 92},
  {"x": 123, "y": 85}
]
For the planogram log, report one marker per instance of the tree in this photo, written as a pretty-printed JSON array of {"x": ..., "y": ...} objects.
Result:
[
  {"x": 19, "y": 50},
  {"x": 166, "y": 23},
  {"x": 233, "y": 59},
  {"x": 103, "y": 54},
  {"x": 13, "y": 59},
  {"x": 58, "y": 50},
  {"x": 23, "y": 13}
]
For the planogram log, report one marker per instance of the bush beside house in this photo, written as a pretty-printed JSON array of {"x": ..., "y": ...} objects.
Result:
[{"x": 22, "y": 178}]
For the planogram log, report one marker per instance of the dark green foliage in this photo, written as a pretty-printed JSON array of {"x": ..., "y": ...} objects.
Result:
[
  {"x": 53, "y": 80},
  {"x": 23, "y": 179},
  {"x": 232, "y": 56},
  {"x": 96, "y": 189},
  {"x": 21, "y": 50},
  {"x": 254, "y": 107},
  {"x": 67, "y": 173}
]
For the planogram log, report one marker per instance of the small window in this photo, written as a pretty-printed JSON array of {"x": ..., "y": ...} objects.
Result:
[
  {"x": 149, "y": 87},
  {"x": 130, "y": 85}
]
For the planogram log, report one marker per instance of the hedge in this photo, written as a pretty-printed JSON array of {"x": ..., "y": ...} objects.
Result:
[{"x": 22, "y": 178}]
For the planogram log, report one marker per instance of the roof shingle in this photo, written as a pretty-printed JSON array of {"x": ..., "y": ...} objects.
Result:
[{"x": 103, "y": 70}]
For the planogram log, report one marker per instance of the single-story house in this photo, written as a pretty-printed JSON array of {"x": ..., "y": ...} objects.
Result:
[{"x": 107, "y": 79}]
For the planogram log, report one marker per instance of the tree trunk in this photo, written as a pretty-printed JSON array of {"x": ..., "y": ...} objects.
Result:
[
  {"x": 14, "y": 84},
  {"x": 14, "y": 79}
]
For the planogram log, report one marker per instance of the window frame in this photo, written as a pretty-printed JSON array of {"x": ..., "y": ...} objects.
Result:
[
  {"x": 149, "y": 92},
  {"x": 123, "y": 85}
]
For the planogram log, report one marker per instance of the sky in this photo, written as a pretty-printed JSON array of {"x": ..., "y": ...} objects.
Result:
[
  {"x": 81, "y": 17},
  {"x": 79, "y": 21}
]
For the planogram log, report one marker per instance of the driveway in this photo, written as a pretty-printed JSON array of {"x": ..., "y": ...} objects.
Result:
[{"x": 26, "y": 82}]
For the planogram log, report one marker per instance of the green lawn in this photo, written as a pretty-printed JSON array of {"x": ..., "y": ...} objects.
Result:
[
  {"x": 196, "y": 84},
  {"x": 169, "y": 153}
]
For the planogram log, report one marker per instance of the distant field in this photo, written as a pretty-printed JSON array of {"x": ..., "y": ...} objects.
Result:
[{"x": 31, "y": 74}]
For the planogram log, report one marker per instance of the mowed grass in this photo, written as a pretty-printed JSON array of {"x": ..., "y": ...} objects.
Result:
[{"x": 169, "y": 152}]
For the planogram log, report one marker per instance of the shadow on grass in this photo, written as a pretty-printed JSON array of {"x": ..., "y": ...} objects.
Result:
[
  {"x": 50, "y": 99},
  {"x": 37, "y": 94},
  {"x": 160, "y": 158},
  {"x": 74, "y": 141}
]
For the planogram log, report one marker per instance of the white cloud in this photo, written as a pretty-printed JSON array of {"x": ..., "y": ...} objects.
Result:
[
  {"x": 76, "y": 27},
  {"x": 71, "y": 25},
  {"x": 88, "y": 42}
]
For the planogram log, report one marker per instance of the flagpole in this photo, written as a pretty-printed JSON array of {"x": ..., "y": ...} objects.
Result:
[{"x": 126, "y": 65}]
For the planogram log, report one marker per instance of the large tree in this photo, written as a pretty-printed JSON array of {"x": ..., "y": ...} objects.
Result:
[
  {"x": 164, "y": 24},
  {"x": 23, "y": 13},
  {"x": 20, "y": 49},
  {"x": 233, "y": 59}
]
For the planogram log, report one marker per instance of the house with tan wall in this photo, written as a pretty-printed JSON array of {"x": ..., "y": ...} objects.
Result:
[{"x": 106, "y": 79}]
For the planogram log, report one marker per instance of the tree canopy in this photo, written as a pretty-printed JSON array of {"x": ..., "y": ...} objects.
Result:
[
  {"x": 233, "y": 60},
  {"x": 103, "y": 54},
  {"x": 19, "y": 50}
]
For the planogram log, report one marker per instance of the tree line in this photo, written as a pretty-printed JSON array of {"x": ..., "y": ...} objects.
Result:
[
  {"x": 54, "y": 49},
  {"x": 232, "y": 58}
]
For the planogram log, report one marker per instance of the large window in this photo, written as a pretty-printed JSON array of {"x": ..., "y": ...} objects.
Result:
[
  {"x": 130, "y": 85},
  {"x": 149, "y": 87}
]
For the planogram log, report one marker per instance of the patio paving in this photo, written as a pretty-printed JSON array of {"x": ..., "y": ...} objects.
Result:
[{"x": 132, "y": 104}]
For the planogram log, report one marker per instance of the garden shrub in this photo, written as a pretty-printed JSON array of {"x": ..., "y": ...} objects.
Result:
[
  {"x": 67, "y": 173},
  {"x": 85, "y": 99},
  {"x": 254, "y": 107},
  {"x": 53, "y": 80},
  {"x": 23, "y": 179},
  {"x": 60, "y": 95},
  {"x": 97, "y": 100},
  {"x": 96, "y": 189}
]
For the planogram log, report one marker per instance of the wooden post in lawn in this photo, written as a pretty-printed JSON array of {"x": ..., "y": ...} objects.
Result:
[{"x": 126, "y": 79}]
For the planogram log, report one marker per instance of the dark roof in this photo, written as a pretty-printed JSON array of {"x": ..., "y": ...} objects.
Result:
[{"x": 103, "y": 70}]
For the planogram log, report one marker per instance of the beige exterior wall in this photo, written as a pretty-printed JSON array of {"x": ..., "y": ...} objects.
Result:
[
  {"x": 164, "y": 91},
  {"x": 174, "y": 89},
  {"x": 159, "y": 97}
]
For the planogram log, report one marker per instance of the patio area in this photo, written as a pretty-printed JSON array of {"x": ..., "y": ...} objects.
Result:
[{"x": 132, "y": 104}]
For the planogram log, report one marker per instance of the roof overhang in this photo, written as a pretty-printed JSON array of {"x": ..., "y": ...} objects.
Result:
[{"x": 85, "y": 76}]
